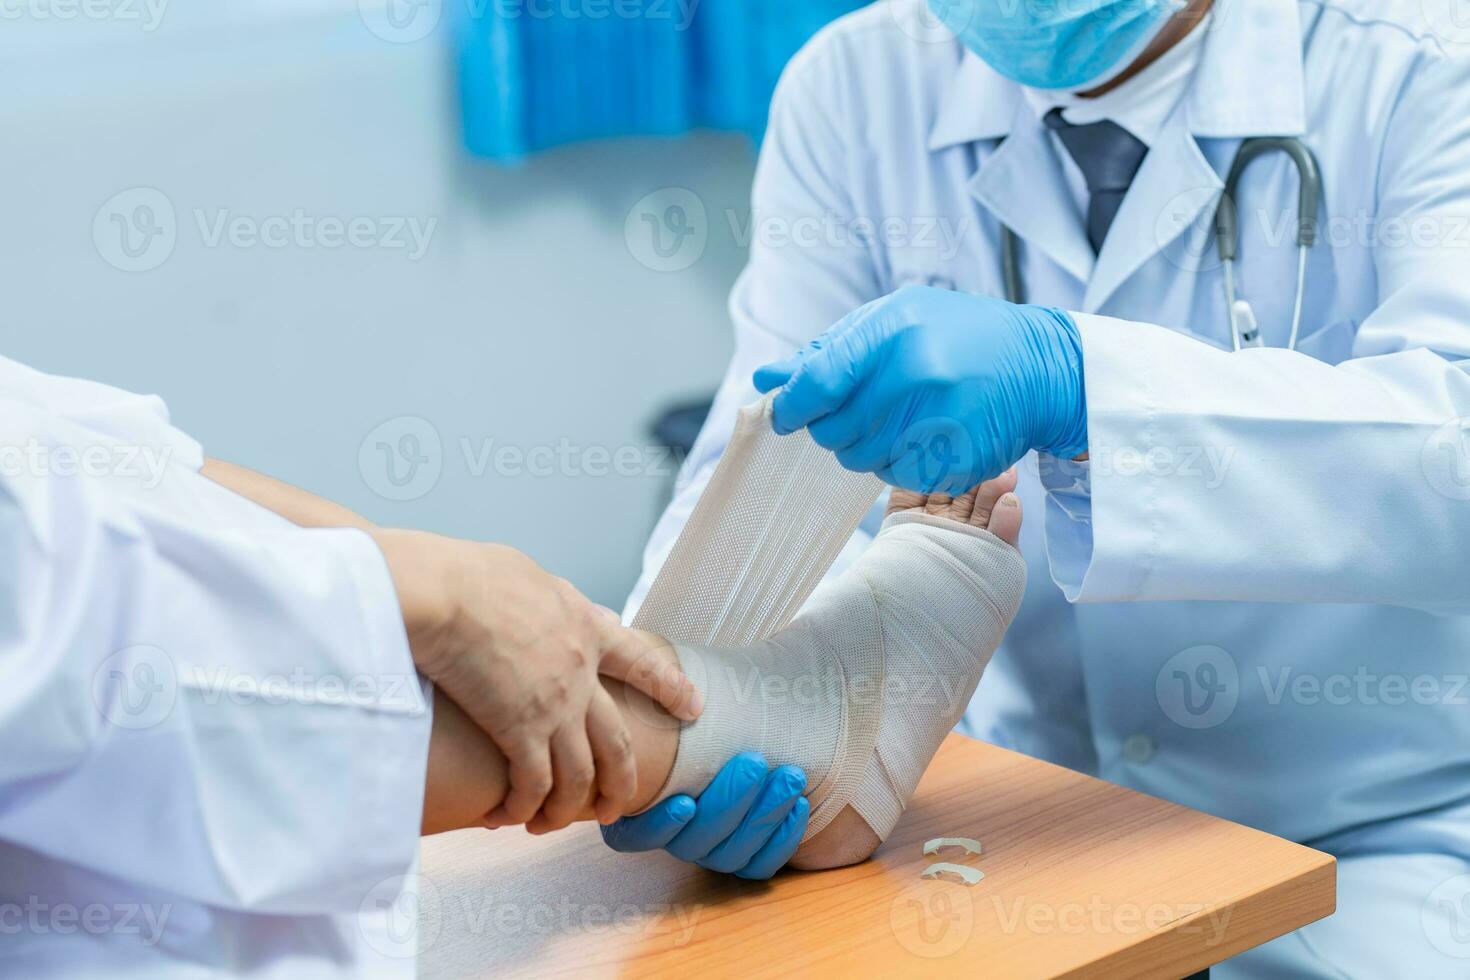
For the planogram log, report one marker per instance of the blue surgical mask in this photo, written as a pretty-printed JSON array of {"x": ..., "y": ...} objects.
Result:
[{"x": 1065, "y": 44}]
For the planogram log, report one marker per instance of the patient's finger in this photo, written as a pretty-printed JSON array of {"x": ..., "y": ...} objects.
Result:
[
  {"x": 530, "y": 781},
  {"x": 986, "y": 495},
  {"x": 612, "y": 751},
  {"x": 572, "y": 773},
  {"x": 1005, "y": 520}
]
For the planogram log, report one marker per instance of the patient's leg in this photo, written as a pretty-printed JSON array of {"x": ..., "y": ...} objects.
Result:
[{"x": 468, "y": 776}]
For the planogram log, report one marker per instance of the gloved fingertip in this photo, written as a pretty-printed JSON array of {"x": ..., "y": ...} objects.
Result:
[
  {"x": 779, "y": 422},
  {"x": 769, "y": 377},
  {"x": 781, "y": 846},
  {"x": 793, "y": 779},
  {"x": 681, "y": 809}
]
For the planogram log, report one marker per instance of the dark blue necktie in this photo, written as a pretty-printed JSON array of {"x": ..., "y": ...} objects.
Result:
[{"x": 1109, "y": 157}]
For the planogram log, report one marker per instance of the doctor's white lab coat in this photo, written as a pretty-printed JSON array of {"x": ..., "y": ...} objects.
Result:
[{"x": 212, "y": 738}]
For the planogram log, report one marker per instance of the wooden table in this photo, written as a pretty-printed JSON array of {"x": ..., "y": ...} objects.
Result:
[{"x": 1082, "y": 879}]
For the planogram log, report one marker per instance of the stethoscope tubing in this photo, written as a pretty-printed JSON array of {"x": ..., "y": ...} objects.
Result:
[{"x": 1226, "y": 228}]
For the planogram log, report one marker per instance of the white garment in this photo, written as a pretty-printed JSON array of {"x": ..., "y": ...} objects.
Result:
[
  {"x": 215, "y": 740},
  {"x": 1247, "y": 520}
]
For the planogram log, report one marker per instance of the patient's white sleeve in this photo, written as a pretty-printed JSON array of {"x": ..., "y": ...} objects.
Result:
[
  {"x": 862, "y": 687},
  {"x": 195, "y": 695}
]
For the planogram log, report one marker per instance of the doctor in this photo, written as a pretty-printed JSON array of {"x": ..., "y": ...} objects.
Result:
[{"x": 1249, "y": 592}]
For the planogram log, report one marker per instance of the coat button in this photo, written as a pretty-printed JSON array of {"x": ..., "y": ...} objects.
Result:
[{"x": 1139, "y": 748}]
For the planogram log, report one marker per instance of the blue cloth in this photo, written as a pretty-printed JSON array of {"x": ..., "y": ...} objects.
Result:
[{"x": 535, "y": 75}]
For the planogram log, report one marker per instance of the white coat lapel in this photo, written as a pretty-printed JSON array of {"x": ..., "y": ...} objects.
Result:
[{"x": 1023, "y": 185}]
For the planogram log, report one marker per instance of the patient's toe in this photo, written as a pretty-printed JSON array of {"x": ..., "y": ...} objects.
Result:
[
  {"x": 901, "y": 500},
  {"x": 1005, "y": 519},
  {"x": 988, "y": 494}
]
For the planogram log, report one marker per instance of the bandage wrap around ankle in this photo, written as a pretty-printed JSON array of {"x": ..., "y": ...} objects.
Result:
[{"x": 864, "y": 685}]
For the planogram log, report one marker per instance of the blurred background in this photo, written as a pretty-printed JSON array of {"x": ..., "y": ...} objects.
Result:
[{"x": 448, "y": 262}]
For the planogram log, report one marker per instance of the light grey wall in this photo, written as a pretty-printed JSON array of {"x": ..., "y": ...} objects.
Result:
[{"x": 529, "y": 320}]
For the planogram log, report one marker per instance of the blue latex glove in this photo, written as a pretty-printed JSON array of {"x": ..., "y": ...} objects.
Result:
[
  {"x": 747, "y": 822},
  {"x": 935, "y": 390}
]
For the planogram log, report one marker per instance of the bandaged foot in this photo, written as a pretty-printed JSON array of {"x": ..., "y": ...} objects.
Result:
[{"x": 862, "y": 687}]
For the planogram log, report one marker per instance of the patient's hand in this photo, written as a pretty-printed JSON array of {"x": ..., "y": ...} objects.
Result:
[{"x": 848, "y": 839}]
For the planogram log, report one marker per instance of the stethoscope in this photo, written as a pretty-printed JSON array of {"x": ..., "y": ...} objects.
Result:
[{"x": 1244, "y": 328}]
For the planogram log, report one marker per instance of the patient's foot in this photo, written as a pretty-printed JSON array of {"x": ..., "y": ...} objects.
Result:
[
  {"x": 864, "y": 684},
  {"x": 992, "y": 506}
]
